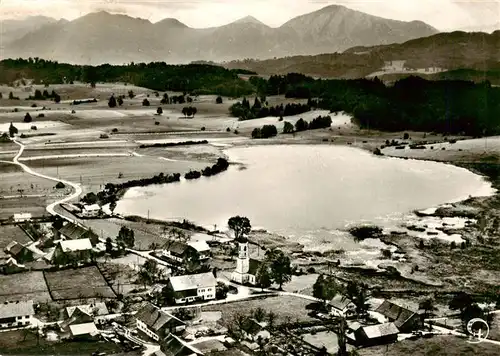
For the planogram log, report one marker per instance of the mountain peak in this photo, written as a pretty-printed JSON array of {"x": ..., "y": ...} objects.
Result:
[
  {"x": 249, "y": 19},
  {"x": 171, "y": 22}
]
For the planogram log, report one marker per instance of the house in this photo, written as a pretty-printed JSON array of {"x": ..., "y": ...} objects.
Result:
[
  {"x": 11, "y": 266},
  {"x": 189, "y": 288},
  {"x": 78, "y": 316},
  {"x": 175, "y": 346},
  {"x": 380, "y": 334},
  {"x": 179, "y": 252},
  {"x": 157, "y": 324},
  {"x": 20, "y": 252},
  {"x": 21, "y": 217},
  {"x": 246, "y": 267},
  {"x": 72, "y": 250},
  {"x": 91, "y": 210},
  {"x": 94, "y": 309},
  {"x": 16, "y": 314},
  {"x": 72, "y": 231},
  {"x": 254, "y": 330},
  {"x": 201, "y": 248},
  {"x": 342, "y": 306},
  {"x": 87, "y": 331},
  {"x": 404, "y": 319}
]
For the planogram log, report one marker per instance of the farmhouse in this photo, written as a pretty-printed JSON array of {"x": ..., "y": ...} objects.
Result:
[
  {"x": 201, "y": 248},
  {"x": 16, "y": 314},
  {"x": 66, "y": 251},
  {"x": 178, "y": 252},
  {"x": 157, "y": 324},
  {"x": 342, "y": 306},
  {"x": 404, "y": 319},
  {"x": 193, "y": 287},
  {"x": 97, "y": 309},
  {"x": 376, "y": 334},
  {"x": 175, "y": 346},
  {"x": 246, "y": 267},
  {"x": 254, "y": 330},
  {"x": 72, "y": 231},
  {"x": 91, "y": 210},
  {"x": 20, "y": 252}
]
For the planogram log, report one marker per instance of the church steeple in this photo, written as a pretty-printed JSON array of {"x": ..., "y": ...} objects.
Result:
[{"x": 243, "y": 261}]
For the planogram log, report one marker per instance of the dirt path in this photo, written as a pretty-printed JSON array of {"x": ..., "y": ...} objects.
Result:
[{"x": 51, "y": 207}]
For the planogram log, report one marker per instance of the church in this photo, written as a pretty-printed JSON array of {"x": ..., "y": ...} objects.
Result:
[{"x": 246, "y": 267}]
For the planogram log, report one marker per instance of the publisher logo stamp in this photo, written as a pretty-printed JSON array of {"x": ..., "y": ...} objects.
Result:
[{"x": 478, "y": 329}]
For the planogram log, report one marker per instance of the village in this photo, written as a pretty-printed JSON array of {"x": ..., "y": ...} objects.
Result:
[{"x": 63, "y": 284}]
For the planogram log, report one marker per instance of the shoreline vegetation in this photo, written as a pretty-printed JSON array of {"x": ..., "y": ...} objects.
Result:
[
  {"x": 112, "y": 191},
  {"x": 174, "y": 144}
]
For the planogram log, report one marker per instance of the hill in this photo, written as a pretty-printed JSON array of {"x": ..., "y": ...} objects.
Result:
[
  {"x": 101, "y": 37},
  {"x": 449, "y": 51},
  {"x": 12, "y": 30}
]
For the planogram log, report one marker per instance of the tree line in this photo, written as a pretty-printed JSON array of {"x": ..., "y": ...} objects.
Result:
[
  {"x": 260, "y": 108},
  {"x": 111, "y": 190},
  {"x": 173, "y": 144},
  {"x": 193, "y": 78}
]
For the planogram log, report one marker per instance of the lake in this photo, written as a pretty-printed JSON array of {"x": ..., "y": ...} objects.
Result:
[{"x": 310, "y": 193}]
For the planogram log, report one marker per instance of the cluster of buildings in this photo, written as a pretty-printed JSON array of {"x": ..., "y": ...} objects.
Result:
[{"x": 71, "y": 242}]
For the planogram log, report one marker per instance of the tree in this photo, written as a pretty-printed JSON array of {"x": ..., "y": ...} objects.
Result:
[
  {"x": 218, "y": 100},
  {"x": 119, "y": 100},
  {"x": 427, "y": 306},
  {"x": 358, "y": 293},
  {"x": 12, "y": 130},
  {"x": 287, "y": 127},
  {"x": 131, "y": 94},
  {"x": 112, "y": 102},
  {"x": 164, "y": 100},
  {"x": 301, "y": 125},
  {"x": 112, "y": 206},
  {"x": 57, "y": 97},
  {"x": 27, "y": 117},
  {"x": 461, "y": 301},
  {"x": 125, "y": 237},
  {"x": 11, "y": 96},
  {"x": 263, "y": 276},
  {"x": 167, "y": 296},
  {"x": 38, "y": 95},
  {"x": 325, "y": 288},
  {"x": 109, "y": 245},
  {"x": 149, "y": 272},
  {"x": 280, "y": 266},
  {"x": 159, "y": 111},
  {"x": 240, "y": 226},
  {"x": 1, "y": 96},
  {"x": 145, "y": 102}
]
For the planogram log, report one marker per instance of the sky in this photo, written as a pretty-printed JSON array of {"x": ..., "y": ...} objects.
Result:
[{"x": 442, "y": 14}]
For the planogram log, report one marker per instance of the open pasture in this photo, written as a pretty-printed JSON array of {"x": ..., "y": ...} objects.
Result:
[
  {"x": 24, "y": 286},
  {"x": 81, "y": 283}
]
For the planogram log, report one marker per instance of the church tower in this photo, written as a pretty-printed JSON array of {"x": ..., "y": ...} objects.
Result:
[{"x": 243, "y": 261}]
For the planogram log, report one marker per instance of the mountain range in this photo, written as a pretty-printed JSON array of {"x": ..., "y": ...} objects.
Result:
[{"x": 102, "y": 37}]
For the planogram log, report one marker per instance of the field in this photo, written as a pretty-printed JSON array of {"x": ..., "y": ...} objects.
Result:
[
  {"x": 286, "y": 308},
  {"x": 24, "y": 286},
  {"x": 435, "y": 346},
  {"x": 80, "y": 283},
  {"x": 15, "y": 343},
  {"x": 9, "y": 233},
  {"x": 94, "y": 172},
  {"x": 323, "y": 338}
]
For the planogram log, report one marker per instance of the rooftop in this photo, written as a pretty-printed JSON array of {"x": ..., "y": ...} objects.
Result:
[
  {"x": 83, "y": 329},
  {"x": 340, "y": 302},
  {"x": 73, "y": 231},
  {"x": 395, "y": 313},
  {"x": 193, "y": 281},
  {"x": 76, "y": 245},
  {"x": 177, "y": 247},
  {"x": 174, "y": 346},
  {"x": 155, "y": 318},
  {"x": 375, "y": 331},
  {"x": 14, "y": 309},
  {"x": 100, "y": 308},
  {"x": 200, "y": 246}
]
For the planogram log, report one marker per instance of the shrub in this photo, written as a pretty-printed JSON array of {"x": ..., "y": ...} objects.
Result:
[
  {"x": 406, "y": 136},
  {"x": 33, "y": 105},
  {"x": 203, "y": 128},
  {"x": 60, "y": 185},
  {"x": 103, "y": 136},
  {"x": 145, "y": 102},
  {"x": 228, "y": 129},
  {"x": 157, "y": 123},
  {"x": 27, "y": 117},
  {"x": 114, "y": 130},
  {"x": 218, "y": 100},
  {"x": 33, "y": 127},
  {"x": 41, "y": 115},
  {"x": 159, "y": 111},
  {"x": 365, "y": 232}
]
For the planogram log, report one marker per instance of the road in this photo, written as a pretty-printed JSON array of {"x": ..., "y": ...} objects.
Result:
[{"x": 77, "y": 190}]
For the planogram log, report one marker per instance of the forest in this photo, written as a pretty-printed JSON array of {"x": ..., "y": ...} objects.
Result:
[{"x": 192, "y": 78}]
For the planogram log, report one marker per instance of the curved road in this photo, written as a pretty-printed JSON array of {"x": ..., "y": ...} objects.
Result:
[{"x": 51, "y": 207}]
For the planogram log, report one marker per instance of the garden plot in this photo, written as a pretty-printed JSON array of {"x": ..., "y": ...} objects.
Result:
[
  {"x": 24, "y": 286},
  {"x": 82, "y": 283}
]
